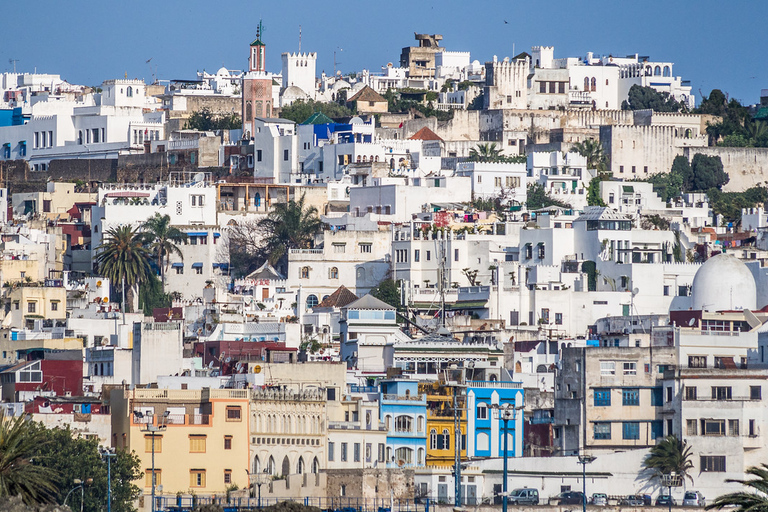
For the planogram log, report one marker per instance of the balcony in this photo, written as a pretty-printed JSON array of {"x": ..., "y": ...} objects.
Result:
[{"x": 403, "y": 398}]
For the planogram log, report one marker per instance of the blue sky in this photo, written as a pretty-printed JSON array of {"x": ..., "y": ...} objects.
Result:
[{"x": 713, "y": 44}]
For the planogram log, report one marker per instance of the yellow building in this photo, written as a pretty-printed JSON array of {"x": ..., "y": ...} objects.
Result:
[
  {"x": 201, "y": 443},
  {"x": 30, "y": 303},
  {"x": 441, "y": 437}
]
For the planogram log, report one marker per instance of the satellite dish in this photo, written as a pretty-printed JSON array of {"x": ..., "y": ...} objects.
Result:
[
  {"x": 635, "y": 291},
  {"x": 257, "y": 369},
  {"x": 691, "y": 322},
  {"x": 198, "y": 178}
]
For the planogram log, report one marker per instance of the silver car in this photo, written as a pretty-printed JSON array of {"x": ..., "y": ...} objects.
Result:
[
  {"x": 694, "y": 499},
  {"x": 600, "y": 499}
]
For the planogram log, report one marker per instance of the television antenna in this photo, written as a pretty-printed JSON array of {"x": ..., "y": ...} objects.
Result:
[{"x": 13, "y": 63}]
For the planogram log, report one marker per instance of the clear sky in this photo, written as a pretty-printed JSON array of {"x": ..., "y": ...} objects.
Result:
[{"x": 714, "y": 44}]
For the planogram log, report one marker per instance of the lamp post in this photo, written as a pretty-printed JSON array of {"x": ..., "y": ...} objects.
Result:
[
  {"x": 584, "y": 460},
  {"x": 506, "y": 412},
  {"x": 153, "y": 430},
  {"x": 79, "y": 484},
  {"x": 108, "y": 453}
]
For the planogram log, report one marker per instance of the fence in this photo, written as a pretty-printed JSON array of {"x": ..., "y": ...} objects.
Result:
[{"x": 341, "y": 504}]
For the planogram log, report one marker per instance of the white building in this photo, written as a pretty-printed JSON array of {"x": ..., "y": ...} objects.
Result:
[
  {"x": 275, "y": 149},
  {"x": 496, "y": 180}
]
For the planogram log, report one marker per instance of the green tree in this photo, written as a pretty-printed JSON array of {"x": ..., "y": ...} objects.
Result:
[
  {"x": 21, "y": 474},
  {"x": 593, "y": 151},
  {"x": 205, "y": 120},
  {"x": 487, "y": 152},
  {"x": 152, "y": 295},
  {"x": 670, "y": 455},
  {"x": 707, "y": 173},
  {"x": 642, "y": 98},
  {"x": 388, "y": 291},
  {"x": 71, "y": 456},
  {"x": 123, "y": 258},
  {"x": 734, "y": 116},
  {"x": 537, "y": 197},
  {"x": 290, "y": 225},
  {"x": 163, "y": 241},
  {"x": 593, "y": 192},
  {"x": 730, "y": 204},
  {"x": 299, "y": 111},
  {"x": 753, "y": 499}
]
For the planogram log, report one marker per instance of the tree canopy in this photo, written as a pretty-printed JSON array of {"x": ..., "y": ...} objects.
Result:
[
  {"x": 299, "y": 111},
  {"x": 396, "y": 103},
  {"x": 290, "y": 225},
  {"x": 730, "y": 204},
  {"x": 388, "y": 291},
  {"x": 642, "y": 98},
  {"x": 539, "y": 198},
  {"x": 123, "y": 256},
  {"x": 20, "y": 441},
  {"x": 707, "y": 173},
  {"x": 490, "y": 152},
  {"x": 163, "y": 240},
  {"x": 207, "y": 120},
  {"x": 671, "y": 455},
  {"x": 753, "y": 499},
  {"x": 593, "y": 151}
]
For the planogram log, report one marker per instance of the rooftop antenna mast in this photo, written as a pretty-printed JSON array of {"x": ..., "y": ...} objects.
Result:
[
  {"x": 299, "y": 38},
  {"x": 13, "y": 62}
]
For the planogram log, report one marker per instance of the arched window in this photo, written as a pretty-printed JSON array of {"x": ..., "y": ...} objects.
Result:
[
  {"x": 648, "y": 71},
  {"x": 315, "y": 465},
  {"x": 482, "y": 442},
  {"x": 667, "y": 71},
  {"x": 403, "y": 424},
  {"x": 586, "y": 83},
  {"x": 433, "y": 439},
  {"x": 333, "y": 273},
  {"x": 271, "y": 466},
  {"x": 392, "y": 163},
  {"x": 403, "y": 456},
  {"x": 359, "y": 158},
  {"x": 304, "y": 273},
  {"x": 248, "y": 110},
  {"x": 256, "y": 465},
  {"x": 80, "y": 137},
  {"x": 493, "y": 378},
  {"x": 446, "y": 438},
  {"x": 377, "y": 158},
  {"x": 542, "y": 368},
  {"x": 420, "y": 424},
  {"x": 388, "y": 422},
  {"x": 657, "y": 71},
  {"x": 420, "y": 457},
  {"x": 129, "y": 92},
  {"x": 312, "y": 301},
  {"x": 286, "y": 467},
  {"x": 594, "y": 84},
  {"x": 300, "y": 466},
  {"x": 361, "y": 273},
  {"x": 365, "y": 158},
  {"x": 688, "y": 133},
  {"x": 482, "y": 411}
]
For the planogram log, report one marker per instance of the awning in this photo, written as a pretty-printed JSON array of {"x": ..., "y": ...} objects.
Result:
[
  {"x": 177, "y": 265},
  {"x": 197, "y": 265},
  {"x": 127, "y": 193},
  {"x": 197, "y": 233},
  {"x": 216, "y": 235}
]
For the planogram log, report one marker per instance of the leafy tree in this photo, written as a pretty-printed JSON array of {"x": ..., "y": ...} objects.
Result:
[
  {"x": 730, "y": 204},
  {"x": 163, "y": 240},
  {"x": 290, "y": 225},
  {"x": 642, "y": 98},
  {"x": 707, "y": 172},
  {"x": 20, "y": 472},
  {"x": 594, "y": 152},
  {"x": 734, "y": 116},
  {"x": 682, "y": 168},
  {"x": 123, "y": 257},
  {"x": 537, "y": 197},
  {"x": 71, "y": 456},
  {"x": 152, "y": 295},
  {"x": 206, "y": 120},
  {"x": 671, "y": 455},
  {"x": 388, "y": 291},
  {"x": 753, "y": 499},
  {"x": 245, "y": 247},
  {"x": 477, "y": 103},
  {"x": 299, "y": 111},
  {"x": 488, "y": 152}
]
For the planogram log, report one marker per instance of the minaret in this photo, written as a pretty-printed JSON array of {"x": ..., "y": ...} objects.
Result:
[
  {"x": 258, "y": 51},
  {"x": 257, "y": 85}
]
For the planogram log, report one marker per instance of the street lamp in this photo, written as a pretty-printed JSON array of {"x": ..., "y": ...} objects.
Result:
[
  {"x": 153, "y": 430},
  {"x": 108, "y": 453},
  {"x": 506, "y": 412},
  {"x": 584, "y": 460},
  {"x": 79, "y": 484},
  {"x": 262, "y": 478}
]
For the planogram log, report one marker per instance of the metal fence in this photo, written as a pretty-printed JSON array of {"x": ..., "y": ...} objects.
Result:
[{"x": 340, "y": 504}]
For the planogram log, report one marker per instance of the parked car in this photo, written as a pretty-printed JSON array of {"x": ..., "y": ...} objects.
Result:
[
  {"x": 600, "y": 499},
  {"x": 665, "y": 500},
  {"x": 523, "y": 496},
  {"x": 694, "y": 499},
  {"x": 633, "y": 501},
  {"x": 567, "y": 498},
  {"x": 647, "y": 499}
]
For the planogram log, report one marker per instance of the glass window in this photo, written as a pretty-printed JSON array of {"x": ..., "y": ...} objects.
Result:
[
  {"x": 630, "y": 368},
  {"x": 602, "y": 397},
  {"x": 630, "y": 396},
  {"x": 713, "y": 463},
  {"x": 657, "y": 396},
  {"x": 602, "y": 430},
  {"x": 631, "y": 430},
  {"x": 607, "y": 368}
]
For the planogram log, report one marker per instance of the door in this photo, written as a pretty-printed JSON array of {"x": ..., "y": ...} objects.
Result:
[
  {"x": 471, "y": 495},
  {"x": 264, "y": 293},
  {"x": 442, "y": 493}
]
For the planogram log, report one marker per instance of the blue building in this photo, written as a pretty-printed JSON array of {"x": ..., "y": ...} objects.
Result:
[
  {"x": 484, "y": 425},
  {"x": 404, "y": 413}
]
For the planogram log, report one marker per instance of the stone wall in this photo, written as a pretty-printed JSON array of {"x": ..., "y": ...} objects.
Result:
[
  {"x": 381, "y": 483},
  {"x": 746, "y": 167}
]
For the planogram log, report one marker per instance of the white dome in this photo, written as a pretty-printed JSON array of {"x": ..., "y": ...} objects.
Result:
[
  {"x": 723, "y": 283},
  {"x": 222, "y": 71}
]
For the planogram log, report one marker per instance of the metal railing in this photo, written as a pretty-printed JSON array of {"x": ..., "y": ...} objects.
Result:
[{"x": 342, "y": 504}]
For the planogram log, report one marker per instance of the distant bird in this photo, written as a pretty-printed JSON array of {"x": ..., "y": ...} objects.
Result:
[{"x": 506, "y": 22}]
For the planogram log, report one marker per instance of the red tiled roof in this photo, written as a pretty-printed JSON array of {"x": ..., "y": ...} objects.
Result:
[{"x": 425, "y": 134}]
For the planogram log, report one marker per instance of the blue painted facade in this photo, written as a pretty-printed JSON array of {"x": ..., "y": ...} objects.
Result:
[
  {"x": 485, "y": 428},
  {"x": 404, "y": 413},
  {"x": 6, "y": 117}
]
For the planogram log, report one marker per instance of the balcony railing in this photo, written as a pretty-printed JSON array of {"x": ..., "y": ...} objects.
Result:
[{"x": 399, "y": 398}]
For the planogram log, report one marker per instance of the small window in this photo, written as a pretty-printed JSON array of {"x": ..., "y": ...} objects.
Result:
[
  {"x": 755, "y": 393},
  {"x": 197, "y": 478},
  {"x": 691, "y": 392},
  {"x": 197, "y": 444},
  {"x": 304, "y": 273},
  {"x": 482, "y": 411},
  {"x": 630, "y": 368},
  {"x": 602, "y": 431},
  {"x": 602, "y": 397},
  {"x": 712, "y": 463},
  {"x": 227, "y": 476},
  {"x": 285, "y": 155},
  {"x": 158, "y": 444},
  {"x": 233, "y": 413},
  {"x": 366, "y": 248},
  {"x": 631, "y": 430},
  {"x": 148, "y": 477},
  {"x": 607, "y": 368},
  {"x": 31, "y": 307},
  {"x": 227, "y": 442},
  {"x": 630, "y": 396}
]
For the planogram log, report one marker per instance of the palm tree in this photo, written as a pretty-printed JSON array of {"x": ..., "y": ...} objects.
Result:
[
  {"x": 485, "y": 153},
  {"x": 290, "y": 225},
  {"x": 593, "y": 151},
  {"x": 163, "y": 240},
  {"x": 671, "y": 455},
  {"x": 19, "y": 476},
  {"x": 123, "y": 258},
  {"x": 753, "y": 500}
]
